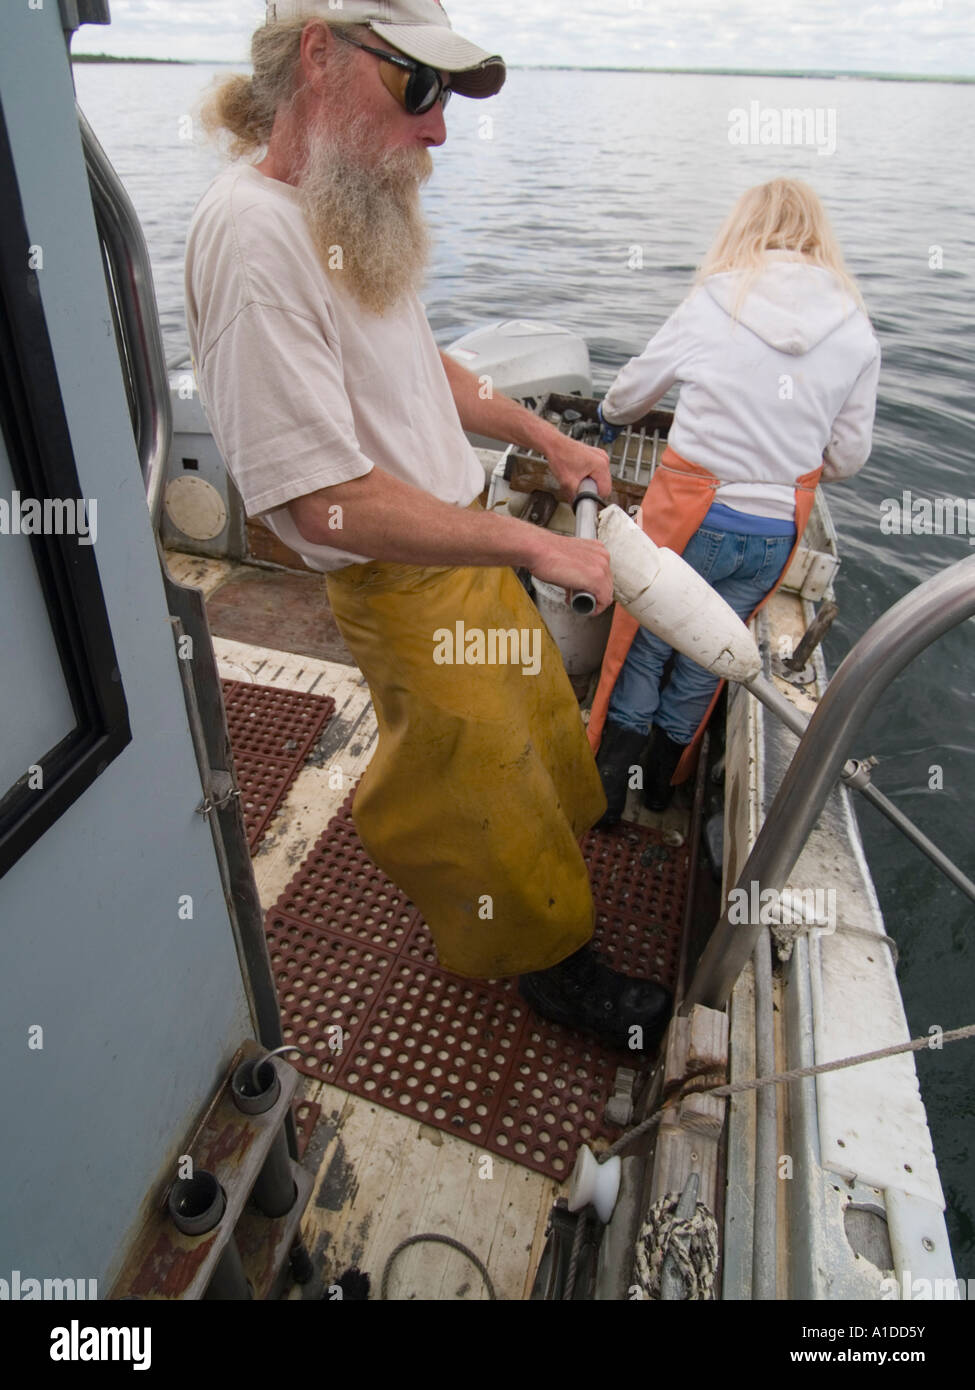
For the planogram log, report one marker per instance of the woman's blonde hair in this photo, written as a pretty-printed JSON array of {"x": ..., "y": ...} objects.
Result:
[
  {"x": 244, "y": 108},
  {"x": 782, "y": 215}
]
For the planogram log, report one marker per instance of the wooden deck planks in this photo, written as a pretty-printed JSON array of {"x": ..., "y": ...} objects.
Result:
[
  {"x": 384, "y": 1177},
  {"x": 199, "y": 571}
]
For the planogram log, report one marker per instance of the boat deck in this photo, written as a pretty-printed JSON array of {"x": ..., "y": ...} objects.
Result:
[{"x": 379, "y": 1175}]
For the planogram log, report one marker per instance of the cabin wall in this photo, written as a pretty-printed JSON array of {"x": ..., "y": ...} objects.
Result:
[{"x": 141, "y": 1006}]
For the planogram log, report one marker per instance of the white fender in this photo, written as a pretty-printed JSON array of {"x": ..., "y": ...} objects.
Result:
[{"x": 663, "y": 594}]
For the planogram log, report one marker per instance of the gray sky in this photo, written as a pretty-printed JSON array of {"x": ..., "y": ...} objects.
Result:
[{"x": 922, "y": 36}]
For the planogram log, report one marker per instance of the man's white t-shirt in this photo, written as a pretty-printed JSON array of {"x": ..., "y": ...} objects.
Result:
[{"x": 302, "y": 386}]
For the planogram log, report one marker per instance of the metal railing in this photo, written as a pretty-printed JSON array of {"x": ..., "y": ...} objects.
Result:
[
  {"x": 856, "y": 774},
  {"x": 895, "y": 639},
  {"x": 133, "y": 304}
]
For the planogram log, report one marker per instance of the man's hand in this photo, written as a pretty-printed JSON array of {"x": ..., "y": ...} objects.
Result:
[
  {"x": 571, "y": 461},
  {"x": 388, "y": 519},
  {"x": 573, "y": 565}
]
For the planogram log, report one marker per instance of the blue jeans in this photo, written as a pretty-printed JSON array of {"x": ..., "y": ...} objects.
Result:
[{"x": 742, "y": 569}]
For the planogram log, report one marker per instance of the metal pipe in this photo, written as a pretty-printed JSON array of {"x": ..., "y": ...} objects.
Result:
[
  {"x": 812, "y": 637},
  {"x": 917, "y": 837},
  {"x": 639, "y": 456},
  {"x": 627, "y": 435},
  {"x": 905, "y": 630},
  {"x": 275, "y": 1190},
  {"x": 854, "y": 775},
  {"x": 229, "y": 1282},
  {"x": 136, "y": 315},
  {"x": 586, "y": 504},
  {"x": 764, "y": 1244},
  {"x": 255, "y": 1087},
  {"x": 772, "y": 698}
]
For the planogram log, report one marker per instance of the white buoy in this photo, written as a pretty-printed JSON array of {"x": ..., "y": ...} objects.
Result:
[
  {"x": 663, "y": 594},
  {"x": 598, "y": 1183}
]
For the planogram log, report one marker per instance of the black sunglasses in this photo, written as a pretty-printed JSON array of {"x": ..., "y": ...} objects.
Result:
[{"x": 416, "y": 86}]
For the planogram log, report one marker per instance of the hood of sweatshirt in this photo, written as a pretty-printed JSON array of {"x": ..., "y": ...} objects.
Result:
[{"x": 791, "y": 305}]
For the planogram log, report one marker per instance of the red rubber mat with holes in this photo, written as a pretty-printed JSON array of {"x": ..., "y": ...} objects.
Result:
[
  {"x": 271, "y": 733},
  {"x": 362, "y": 995}
]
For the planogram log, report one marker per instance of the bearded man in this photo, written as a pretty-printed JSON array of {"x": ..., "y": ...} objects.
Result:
[{"x": 342, "y": 427}]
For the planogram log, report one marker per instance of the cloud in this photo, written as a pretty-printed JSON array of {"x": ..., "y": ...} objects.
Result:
[{"x": 922, "y": 36}]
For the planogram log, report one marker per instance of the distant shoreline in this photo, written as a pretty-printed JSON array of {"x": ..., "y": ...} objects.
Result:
[
  {"x": 110, "y": 58},
  {"x": 810, "y": 75}
]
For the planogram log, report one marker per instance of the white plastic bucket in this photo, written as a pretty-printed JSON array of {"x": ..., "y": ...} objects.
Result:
[{"x": 580, "y": 639}]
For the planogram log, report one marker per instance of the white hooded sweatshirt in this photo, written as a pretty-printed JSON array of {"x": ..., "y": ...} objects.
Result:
[{"x": 765, "y": 398}]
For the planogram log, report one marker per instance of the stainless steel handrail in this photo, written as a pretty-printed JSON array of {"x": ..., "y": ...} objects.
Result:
[
  {"x": 857, "y": 775},
  {"x": 134, "y": 308},
  {"x": 895, "y": 639}
]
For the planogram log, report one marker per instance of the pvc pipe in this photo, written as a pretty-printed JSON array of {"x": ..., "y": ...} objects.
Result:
[
  {"x": 255, "y": 1087},
  {"x": 197, "y": 1205}
]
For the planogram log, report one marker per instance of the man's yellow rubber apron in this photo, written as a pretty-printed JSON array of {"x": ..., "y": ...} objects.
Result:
[
  {"x": 673, "y": 508},
  {"x": 483, "y": 781}
]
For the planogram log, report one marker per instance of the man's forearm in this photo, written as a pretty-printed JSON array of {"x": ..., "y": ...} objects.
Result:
[
  {"x": 495, "y": 415},
  {"x": 387, "y": 519},
  {"x": 383, "y": 517}
]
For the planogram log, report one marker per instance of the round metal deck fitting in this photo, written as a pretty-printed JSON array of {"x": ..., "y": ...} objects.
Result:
[
  {"x": 197, "y": 1204},
  {"x": 255, "y": 1086},
  {"x": 804, "y": 676}
]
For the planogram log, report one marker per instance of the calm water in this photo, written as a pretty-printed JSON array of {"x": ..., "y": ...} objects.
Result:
[{"x": 539, "y": 221}]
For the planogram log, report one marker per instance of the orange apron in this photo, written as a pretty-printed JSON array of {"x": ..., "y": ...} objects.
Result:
[{"x": 673, "y": 508}]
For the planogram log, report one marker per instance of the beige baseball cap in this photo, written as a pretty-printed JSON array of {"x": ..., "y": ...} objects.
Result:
[{"x": 418, "y": 28}]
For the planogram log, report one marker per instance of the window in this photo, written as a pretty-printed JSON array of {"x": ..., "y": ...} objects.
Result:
[{"x": 62, "y": 706}]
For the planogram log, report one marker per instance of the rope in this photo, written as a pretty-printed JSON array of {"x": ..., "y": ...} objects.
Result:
[
  {"x": 570, "y": 1274},
  {"x": 692, "y": 1244},
  {"x": 442, "y": 1240},
  {"x": 797, "y": 1074}
]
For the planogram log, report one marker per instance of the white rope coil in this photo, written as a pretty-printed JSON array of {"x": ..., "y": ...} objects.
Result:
[{"x": 692, "y": 1245}]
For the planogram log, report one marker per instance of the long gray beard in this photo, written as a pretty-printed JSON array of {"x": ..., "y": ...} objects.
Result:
[{"x": 364, "y": 214}]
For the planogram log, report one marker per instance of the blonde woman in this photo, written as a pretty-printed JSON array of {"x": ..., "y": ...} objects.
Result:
[{"x": 778, "y": 367}]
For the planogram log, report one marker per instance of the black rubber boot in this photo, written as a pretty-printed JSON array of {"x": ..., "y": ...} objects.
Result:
[
  {"x": 660, "y": 766},
  {"x": 619, "y": 750},
  {"x": 583, "y": 992}
]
